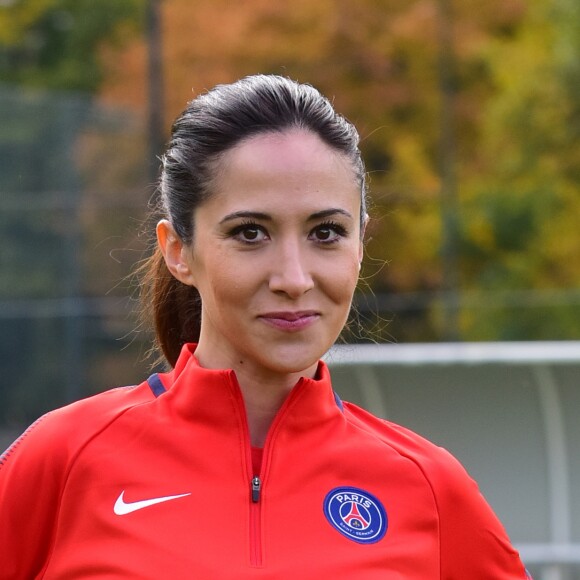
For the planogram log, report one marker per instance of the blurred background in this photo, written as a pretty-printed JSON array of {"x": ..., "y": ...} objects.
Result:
[{"x": 469, "y": 114}]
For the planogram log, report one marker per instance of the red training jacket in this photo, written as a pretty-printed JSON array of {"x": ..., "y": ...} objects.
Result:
[{"x": 156, "y": 481}]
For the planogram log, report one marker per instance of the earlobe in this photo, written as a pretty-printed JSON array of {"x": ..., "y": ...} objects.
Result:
[
  {"x": 364, "y": 226},
  {"x": 173, "y": 251},
  {"x": 362, "y": 243}
]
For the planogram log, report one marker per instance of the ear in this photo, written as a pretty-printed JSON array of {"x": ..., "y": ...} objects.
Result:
[
  {"x": 362, "y": 238},
  {"x": 174, "y": 252}
]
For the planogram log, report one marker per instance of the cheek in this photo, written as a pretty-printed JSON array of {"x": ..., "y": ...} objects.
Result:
[
  {"x": 340, "y": 283},
  {"x": 222, "y": 284}
]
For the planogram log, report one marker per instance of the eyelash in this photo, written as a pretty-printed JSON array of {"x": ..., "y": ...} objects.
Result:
[
  {"x": 339, "y": 230},
  {"x": 244, "y": 226}
]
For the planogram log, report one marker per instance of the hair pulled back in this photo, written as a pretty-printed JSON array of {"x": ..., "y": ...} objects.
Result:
[{"x": 212, "y": 124}]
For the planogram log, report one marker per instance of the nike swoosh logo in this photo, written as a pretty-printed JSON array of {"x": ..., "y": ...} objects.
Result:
[{"x": 123, "y": 508}]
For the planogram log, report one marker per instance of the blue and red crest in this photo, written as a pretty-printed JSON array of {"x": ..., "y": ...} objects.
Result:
[{"x": 356, "y": 514}]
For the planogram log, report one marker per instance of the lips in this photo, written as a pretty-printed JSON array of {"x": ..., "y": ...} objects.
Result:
[{"x": 290, "y": 320}]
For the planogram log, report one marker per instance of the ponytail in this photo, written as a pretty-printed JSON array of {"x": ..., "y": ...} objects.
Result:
[{"x": 173, "y": 309}]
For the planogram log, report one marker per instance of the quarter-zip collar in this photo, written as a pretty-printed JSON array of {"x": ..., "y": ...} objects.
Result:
[
  {"x": 213, "y": 397},
  {"x": 211, "y": 403}
]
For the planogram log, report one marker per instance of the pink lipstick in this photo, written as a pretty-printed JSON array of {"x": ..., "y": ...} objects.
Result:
[{"x": 290, "y": 320}]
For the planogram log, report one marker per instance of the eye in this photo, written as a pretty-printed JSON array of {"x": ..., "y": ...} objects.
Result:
[
  {"x": 249, "y": 233},
  {"x": 327, "y": 233}
]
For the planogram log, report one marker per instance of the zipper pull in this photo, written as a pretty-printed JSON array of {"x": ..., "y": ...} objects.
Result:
[{"x": 256, "y": 486}]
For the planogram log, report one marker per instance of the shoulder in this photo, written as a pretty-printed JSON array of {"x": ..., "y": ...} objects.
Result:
[
  {"x": 473, "y": 542},
  {"x": 431, "y": 459},
  {"x": 61, "y": 433},
  {"x": 34, "y": 471},
  {"x": 448, "y": 480}
]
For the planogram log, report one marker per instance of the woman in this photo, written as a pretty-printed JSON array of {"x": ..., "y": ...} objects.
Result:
[{"x": 241, "y": 462}]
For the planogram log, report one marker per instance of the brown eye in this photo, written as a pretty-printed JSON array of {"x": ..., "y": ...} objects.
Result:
[
  {"x": 324, "y": 234},
  {"x": 249, "y": 233},
  {"x": 328, "y": 233}
]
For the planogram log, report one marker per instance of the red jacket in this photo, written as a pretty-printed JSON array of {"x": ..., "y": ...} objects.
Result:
[{"x": 156, "y": 481}]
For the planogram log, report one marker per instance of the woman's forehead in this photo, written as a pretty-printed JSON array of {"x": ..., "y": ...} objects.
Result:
[
  {"x": 316, "y": 197},
  {"x": 294, "y": 150},
  {"x": 283, "y": 176},
  {"x": 282, "y": 204}
]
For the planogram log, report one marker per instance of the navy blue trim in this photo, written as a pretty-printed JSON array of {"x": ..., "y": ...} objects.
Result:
[
  {"x": 156, "y": 385},
  {"x": 12, "y": 449},
  {"x": 338, "y": 401}
]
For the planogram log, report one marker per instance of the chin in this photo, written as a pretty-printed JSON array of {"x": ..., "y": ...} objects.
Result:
[{"x": 294, "y": 359}]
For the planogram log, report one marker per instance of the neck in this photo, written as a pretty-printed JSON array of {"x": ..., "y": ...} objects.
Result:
[
  {"x": 261, "y": 409},
  {"x": 263, "y": 391},
  {"x": 263, "y": 398}
]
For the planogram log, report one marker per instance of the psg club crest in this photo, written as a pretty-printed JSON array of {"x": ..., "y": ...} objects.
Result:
[{"x": 356, "y": 514}]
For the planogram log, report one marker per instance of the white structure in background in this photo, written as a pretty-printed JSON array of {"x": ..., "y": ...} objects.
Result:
[{"x": 509, "y": 411}]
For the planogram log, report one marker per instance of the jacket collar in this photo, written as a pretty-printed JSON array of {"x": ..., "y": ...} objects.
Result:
[{"x": 213, "y": 397}]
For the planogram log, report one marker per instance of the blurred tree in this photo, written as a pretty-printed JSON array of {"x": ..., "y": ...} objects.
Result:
[
  {"x": 50, "y": 65},
  {"x": 515, "y": 107},
  {"x": 521, "y": 190},
  {"x": 378, "y": 60},
  {"x": 56, "y": 43}
]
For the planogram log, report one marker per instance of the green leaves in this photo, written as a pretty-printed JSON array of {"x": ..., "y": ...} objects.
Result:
[{"x": 56, "y": 43}]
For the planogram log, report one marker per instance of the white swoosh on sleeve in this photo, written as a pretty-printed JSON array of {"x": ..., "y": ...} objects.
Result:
[{"x": 123, "y": 508}]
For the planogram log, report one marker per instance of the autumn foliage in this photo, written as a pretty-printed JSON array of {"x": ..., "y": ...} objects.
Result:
[{"x": 506, "y": 70}]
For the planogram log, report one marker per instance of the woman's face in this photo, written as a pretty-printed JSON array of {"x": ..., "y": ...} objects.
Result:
[{"x": 275, "y": 254}]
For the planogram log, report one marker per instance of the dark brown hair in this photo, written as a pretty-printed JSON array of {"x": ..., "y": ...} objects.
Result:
[{"x": 211, "y": 125}]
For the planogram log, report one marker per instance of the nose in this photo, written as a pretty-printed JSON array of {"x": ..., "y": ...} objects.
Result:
[{"x": 290, "y": 272}]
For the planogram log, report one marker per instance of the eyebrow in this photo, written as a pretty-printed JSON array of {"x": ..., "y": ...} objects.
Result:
[
  {"x": 257, "y": 215},
  {"x": 328, "y": 213}
]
